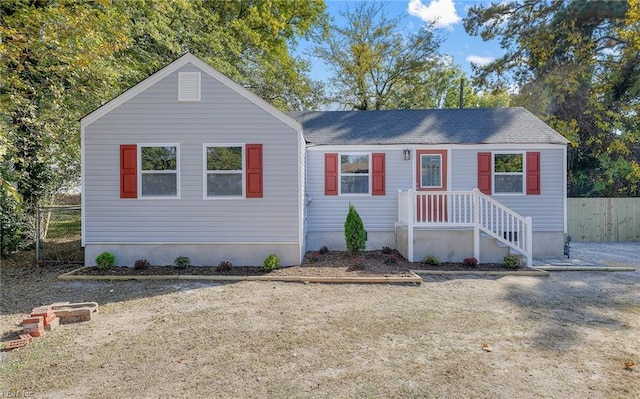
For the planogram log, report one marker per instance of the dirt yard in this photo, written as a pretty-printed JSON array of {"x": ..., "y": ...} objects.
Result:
[{"x": 564, "y": 336}]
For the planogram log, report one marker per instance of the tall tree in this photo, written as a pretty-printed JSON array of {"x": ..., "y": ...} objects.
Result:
[
  {"x": 576, "y": 70},
  {"x": 249, "y": 41},
  {"x": 60, "y": 59},
  {"x": 373, "y": 61}
]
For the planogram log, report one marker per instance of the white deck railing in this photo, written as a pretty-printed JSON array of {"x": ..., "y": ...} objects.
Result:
[{"x": 465, "y": 208}]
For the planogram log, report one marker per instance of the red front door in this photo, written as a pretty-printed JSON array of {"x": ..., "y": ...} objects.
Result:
[{"x": 431, "y": 178}]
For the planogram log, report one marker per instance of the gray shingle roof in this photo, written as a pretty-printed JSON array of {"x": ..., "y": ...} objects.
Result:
[{"x": 432, "y": 126}]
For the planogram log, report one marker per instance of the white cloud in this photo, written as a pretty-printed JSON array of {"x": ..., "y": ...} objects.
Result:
[
  {"x": 479, "y": 60},
  {"x": 441, "y": 12}
]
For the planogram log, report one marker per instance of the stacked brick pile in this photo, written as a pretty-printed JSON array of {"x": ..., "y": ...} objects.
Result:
[
  {"x": 47, "y": 318},
  {"x": 41, "y": 319}
]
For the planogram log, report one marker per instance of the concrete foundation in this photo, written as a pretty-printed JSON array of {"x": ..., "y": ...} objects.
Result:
[
  {"x": 455, "y": 245},
  {"x": 199, "y": 254}
]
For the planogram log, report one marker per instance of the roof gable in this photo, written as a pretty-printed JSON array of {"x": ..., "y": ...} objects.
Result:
[
  {"x": 186, "y": 59},
  {"x": 431, "y": 126}
]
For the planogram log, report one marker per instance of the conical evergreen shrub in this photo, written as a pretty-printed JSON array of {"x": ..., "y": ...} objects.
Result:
[{"x": 354, "y": 233}]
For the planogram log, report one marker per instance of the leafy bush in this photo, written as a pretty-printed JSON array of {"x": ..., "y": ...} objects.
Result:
[
  {"x": 323, "y": 250},
  {"x": 270, "y": 263},
  {"x": 431, "y": 260},
  {"x": 224, "y": 266},
  {"x": 387, "y": 250},
  {"x": 141, "y": 264},
  {"x": 182, "y": 262},
  {"x": 390, "y": 260},
  {"x": 354, "y": 233},
  {"x": 473, "y": 262},
  {"x": 105, "y": 260},
  {"x": 16, "y": 231},
  {"x": 512, "y": 261}
]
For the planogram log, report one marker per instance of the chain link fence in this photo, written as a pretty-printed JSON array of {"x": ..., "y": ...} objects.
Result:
[{"x": 58, "y": 234}]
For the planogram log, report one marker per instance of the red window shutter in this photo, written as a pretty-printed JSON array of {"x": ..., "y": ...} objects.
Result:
[
  {"x": 533, "y": 173},
  {"x": 128, "y": 171},
  {"x": 484, "y": 172},
  {"x": 330, "y": 174},
  {"x": 254, "y": 170},
  {"x": 377, "y": 175}
]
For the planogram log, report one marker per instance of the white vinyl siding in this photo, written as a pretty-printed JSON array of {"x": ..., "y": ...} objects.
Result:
[
  {"x": 546, "y": 209},
  {"x": 223, "y": 116},
  {"x": 378, "y": 212}
]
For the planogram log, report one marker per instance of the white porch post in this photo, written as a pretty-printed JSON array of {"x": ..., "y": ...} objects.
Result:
[
  {"x": 529, "y": 242},
  {"x": 411, "y": 210},
  {"x": 476, "y": 225}
]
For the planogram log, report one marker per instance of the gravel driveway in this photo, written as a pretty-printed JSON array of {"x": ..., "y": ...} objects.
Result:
[{"x": 607, "y": 253}]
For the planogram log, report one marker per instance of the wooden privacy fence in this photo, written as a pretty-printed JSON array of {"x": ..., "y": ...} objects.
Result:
[{"x": 603, "y": 219}]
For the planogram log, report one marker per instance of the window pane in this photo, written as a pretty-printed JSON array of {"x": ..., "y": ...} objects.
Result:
[
  {"x": 508, "y": 184},
  {"x": 508, "y": 163},
  {"x": 431, "y": 171},
  {"x": 354, "y": 163},
  {"x": 224, "y": 158},
  {"x": 159, "y": 184},
  {"x": 158, "y": 158},
  {"x": 221, "y": 184},
  {"x": 355, "y": 184}
]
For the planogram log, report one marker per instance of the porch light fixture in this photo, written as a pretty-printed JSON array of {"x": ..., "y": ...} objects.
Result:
[{"x": 407, "y": 154}]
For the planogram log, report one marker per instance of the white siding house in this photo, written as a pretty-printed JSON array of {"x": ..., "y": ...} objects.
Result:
[
  {"x": 438, "y": 155},
  {"x": 189, "y": 163}
]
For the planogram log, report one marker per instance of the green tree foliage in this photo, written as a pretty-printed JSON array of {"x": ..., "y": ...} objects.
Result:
[
  {"x": 577, "y": 66},
  {"x": 247, "y": 40},
  {"x": 376, "y": 65},
  {"x": 354, "y": 234},
  {"x": 373, "y": 62},
  {"x": 60, "y": 59}
]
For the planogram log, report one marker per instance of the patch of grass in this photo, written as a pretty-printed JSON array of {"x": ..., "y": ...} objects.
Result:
[{"x": 64, "y": 224}]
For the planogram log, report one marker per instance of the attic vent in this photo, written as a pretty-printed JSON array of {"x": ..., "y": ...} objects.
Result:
[{"x": 189, "y": 86}]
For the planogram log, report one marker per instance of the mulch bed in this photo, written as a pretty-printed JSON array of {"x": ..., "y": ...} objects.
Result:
[{"x": 332, "y": 263}]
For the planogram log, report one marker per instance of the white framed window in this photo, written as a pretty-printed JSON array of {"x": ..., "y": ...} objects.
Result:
[
  {"x": 224, "y": 170},
  {"x": 431, "y": 171},
  {"x": 188, "y": 86},
  {"x": 159, "y": 170},
  {"x": 508, "y": 173},
  {"x": 355, "y": 176}
]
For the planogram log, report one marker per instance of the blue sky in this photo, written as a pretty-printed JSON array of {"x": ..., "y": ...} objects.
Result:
[{"x": 447, "y": 16}]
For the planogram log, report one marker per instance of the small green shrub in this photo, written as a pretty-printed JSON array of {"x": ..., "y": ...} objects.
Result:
[
  {"x": 105, "y": 260},
  {"x": 224, "y": 266},
  {"x": 354, "y": 234},
  {"x": 431, "y": 260},
  {"x": 270, "y": 263},
  {"x": 473, "y": 262},
  {"x": 182, "y": 262},
  {"x": 512, "y": 262},
  {"x": 141, "y": 264},
  {"x": 323, "y": 250}
]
